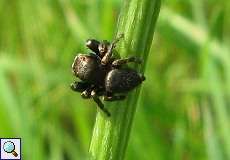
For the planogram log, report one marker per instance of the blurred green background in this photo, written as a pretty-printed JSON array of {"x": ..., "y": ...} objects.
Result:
[{"x": 183, "y": 112}]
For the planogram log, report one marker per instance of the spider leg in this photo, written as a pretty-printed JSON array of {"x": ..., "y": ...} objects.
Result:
[
  {"x": 114, "y": 98},
  {"x": 99, "y": 103},
  {"x": 111, "y": 97},
  {"x": 79, "y": 86},
  {"x": 86, "y": 93},
  {"x": 82, "y": 87},
  {"x": 120, "y": 36},
  {"x": 120, "y": 62},
  {"x": 108, "y": 54}
]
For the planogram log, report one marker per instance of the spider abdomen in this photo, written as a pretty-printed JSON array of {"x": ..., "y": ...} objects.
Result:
[{"x": 122, "y": 80}]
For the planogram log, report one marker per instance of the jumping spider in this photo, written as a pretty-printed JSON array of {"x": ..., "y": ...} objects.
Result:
[{"x": 103, "y": 75}]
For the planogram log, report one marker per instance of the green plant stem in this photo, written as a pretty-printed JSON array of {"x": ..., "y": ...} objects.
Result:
[{"x": 110, "y": 136}]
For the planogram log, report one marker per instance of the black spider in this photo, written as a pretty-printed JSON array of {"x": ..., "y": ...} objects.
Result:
[{"x": 103, "y": 75}]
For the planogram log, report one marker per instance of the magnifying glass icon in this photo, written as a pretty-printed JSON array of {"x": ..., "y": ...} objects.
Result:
[{"x": 9, "y": 147}]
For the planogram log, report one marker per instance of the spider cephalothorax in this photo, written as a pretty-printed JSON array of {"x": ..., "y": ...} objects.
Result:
[{"x": 102, "y": 75}]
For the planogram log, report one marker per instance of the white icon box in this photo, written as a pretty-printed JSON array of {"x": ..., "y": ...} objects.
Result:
[{"x": 10, "y": 149}]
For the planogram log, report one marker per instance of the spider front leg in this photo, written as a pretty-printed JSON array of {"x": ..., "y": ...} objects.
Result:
[
  {"x": 99, "y": 103},
  {"x": 106, "y": 58},
  {"x": 120, "y": 62}
]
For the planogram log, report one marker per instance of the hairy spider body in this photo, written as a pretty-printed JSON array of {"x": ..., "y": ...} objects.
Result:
[
  {"x": 103, "y": 75},
  {"x": 122, "y": 80},
  {"x": 88, "y": 68}
]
